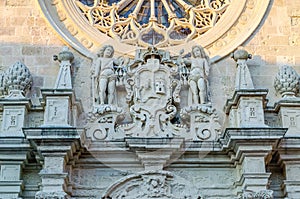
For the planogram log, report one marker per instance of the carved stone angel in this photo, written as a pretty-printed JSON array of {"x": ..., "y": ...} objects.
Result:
[
  {"x": 104, "y": 77},
  {"x": 199, "y": 72}
]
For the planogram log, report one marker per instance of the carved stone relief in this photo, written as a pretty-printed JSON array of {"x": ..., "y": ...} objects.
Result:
[
  {"x": 153, "y": 82},
  {"x": 160, "y": 184},
  {"x": 263, "y": 194}
]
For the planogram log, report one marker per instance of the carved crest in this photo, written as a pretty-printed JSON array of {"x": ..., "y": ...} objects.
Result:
[{"x": 154, "y": 82}]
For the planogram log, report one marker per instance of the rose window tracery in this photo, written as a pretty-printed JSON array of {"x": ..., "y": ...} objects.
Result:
[
  {"x": 220, "y": 26},
  {"x": 154, "y": 22}
]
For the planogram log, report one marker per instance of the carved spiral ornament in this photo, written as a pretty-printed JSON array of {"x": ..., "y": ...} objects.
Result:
[
  {"x": 220, "y": 26},
  {"x": 153, "y": 22}
]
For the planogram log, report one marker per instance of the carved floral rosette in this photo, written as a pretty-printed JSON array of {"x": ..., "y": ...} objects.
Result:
[{"x": 152, "y": 184}]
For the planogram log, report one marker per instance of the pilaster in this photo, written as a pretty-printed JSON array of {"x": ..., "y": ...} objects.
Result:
[
  {"x": 289, "y": 158},
  {"x": 252, "y": 148},
  {"x": 56, "y": 146},
  {"x": 246, "y": 108},
  {"x": 13, "y": 155},
  {"x": 289, "y": 114},
  {"x": 13, "y": 146}
]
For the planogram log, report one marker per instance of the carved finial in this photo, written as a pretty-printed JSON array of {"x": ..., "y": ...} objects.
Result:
[
  {"x": 287, "y": 82},
  {"x": 65, "y": 57},
  {"x": 241, "y": 53},
  {"x": 243, "y": 77},
  {"x": 17, "y": 80}
]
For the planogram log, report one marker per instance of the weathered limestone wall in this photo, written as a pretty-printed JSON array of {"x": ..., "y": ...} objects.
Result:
[{"x": 26, "y": 36}]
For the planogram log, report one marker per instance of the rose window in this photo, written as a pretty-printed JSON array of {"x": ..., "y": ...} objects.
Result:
[{"x": 155, "y": 22}]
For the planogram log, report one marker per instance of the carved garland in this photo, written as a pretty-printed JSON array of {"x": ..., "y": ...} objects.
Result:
[{"x": 220, "y": 32}]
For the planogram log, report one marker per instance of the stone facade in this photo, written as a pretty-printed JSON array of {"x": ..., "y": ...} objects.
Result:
[{"x": 115, "y": 116}]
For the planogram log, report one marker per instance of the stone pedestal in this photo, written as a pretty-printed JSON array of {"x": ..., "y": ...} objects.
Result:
[
  {"x": 289, "y": 115},
  {"x": 14, "y": 117},
  {"x": 13, "y": 147},
  {"x": 252, "y": 149},
  {"x": 58, "y": 107},
  {"x": 246, "y": 108},
  {"x": 12, "y": 158},
  {"x": 57, "y": 147}
]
